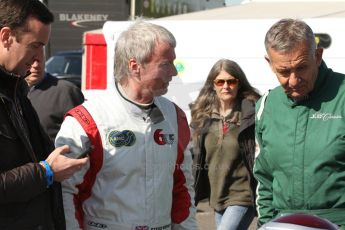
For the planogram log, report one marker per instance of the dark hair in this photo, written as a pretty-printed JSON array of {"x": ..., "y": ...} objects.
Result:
[
  {"x": 208, "y": 100},
  {"x": 14, "y": 13}
]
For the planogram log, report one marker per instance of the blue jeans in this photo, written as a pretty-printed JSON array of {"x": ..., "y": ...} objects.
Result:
[{"x": 234, "y": 217}]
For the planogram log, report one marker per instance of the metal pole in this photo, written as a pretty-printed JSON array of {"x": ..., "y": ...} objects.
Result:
[{"x": 132, "y": 16}]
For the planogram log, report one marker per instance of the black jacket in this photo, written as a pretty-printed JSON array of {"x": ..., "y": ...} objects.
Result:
[
  {"x": 246, "y": 139},
  {"x": 52, "y": 98},
  {"x": 25, "y": 201}
]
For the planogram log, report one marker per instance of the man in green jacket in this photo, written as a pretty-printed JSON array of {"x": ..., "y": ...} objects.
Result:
[{"x": 300, "y": 129}]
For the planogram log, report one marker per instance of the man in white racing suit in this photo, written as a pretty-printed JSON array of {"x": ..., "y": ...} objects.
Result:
[{"x": 139, "y": 176}]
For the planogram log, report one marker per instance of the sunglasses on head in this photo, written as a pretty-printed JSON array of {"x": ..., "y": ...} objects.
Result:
[{"x": 230, "y": 82}]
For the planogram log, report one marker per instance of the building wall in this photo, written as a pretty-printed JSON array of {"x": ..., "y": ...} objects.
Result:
[
  {"x": 163, "y": 8},
  {"x": 74, "y": 17}
]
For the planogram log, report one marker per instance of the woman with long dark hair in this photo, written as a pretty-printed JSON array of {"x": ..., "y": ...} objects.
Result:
[{"x": 223, "y": 145}]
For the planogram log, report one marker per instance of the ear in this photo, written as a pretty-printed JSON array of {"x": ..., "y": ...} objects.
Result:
[
  {"x": 133, "y": 66},
  {"x": 267, "y": 58},
  {"x": 5, "y": 36},
  {"x": 318, "y": 55}
]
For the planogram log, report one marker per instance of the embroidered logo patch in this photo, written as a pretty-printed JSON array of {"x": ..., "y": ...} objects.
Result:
[
  {"x": 325, "y": 116},
  {"x": 163, "y": 139},
  {"x": 121, "y": 138}
]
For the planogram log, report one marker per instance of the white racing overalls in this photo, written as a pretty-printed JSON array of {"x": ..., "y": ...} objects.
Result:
[{"x": 140, "y": 178}]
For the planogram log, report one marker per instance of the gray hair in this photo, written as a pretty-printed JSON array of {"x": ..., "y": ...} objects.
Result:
[
  {"x": 139, "y": 42},
  {"x": 288, "y": 33}
]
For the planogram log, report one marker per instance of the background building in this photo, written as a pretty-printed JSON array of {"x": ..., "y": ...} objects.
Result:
[{"x": 74, "y": 17}]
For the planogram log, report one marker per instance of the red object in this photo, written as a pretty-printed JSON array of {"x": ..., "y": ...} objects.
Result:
[
  {"x": 94, "y": 61},
  {"x": 225, "y": 127},
  {"x": 96, "y": 160},
  {"x": 306, "y": 220}
]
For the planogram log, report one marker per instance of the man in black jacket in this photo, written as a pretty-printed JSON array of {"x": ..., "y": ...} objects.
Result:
[
  {"x": 51, "y": 97},
  {"x": 29, "y": 165}
]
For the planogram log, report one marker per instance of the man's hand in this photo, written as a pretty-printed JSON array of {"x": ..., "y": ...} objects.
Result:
[{"x": 64, "y": 167}]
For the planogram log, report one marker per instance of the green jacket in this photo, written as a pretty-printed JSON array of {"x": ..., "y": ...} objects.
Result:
[{"x": 300, "y": 163}]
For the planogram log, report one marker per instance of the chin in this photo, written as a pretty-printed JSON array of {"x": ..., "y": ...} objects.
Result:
[
  {"x": 298, "y": 97},
  {"x": 227, "y": 98},
  {"x": 160, "y": 92}
]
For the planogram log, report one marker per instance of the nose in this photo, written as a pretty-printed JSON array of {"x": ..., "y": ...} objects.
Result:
[
  {"x": 35, "y": 64},
  {"x": 225, "y": 85},
  {"x": 39, "y": 54},
  {"x": 294, "y": 80},
  {"x": 174, "y": 71}
]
